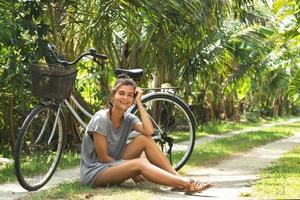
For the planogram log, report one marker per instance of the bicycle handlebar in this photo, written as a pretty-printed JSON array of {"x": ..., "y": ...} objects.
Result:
[{"x": 91, "y": 52}]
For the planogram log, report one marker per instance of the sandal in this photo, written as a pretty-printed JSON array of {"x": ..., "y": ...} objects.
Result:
[
  {"x": 197, "y": 186},
  {"x": 177, "y": 189}
]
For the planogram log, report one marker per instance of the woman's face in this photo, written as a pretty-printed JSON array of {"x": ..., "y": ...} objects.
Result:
[{"x": 123, "y": 97}]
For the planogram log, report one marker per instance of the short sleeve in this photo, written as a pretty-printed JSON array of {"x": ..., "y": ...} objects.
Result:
[
  {"x": 133, "y": 120},
  {"x": 97, "y": 124}
]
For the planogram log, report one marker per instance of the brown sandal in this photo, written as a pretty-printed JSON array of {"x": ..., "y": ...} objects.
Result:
[
  {"x": 177, "y": 189},
  {"x": 197, "y": 186}
]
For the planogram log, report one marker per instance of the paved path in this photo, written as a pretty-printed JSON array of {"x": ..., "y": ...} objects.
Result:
[
  {"x": 11, "y": 191},
  {"x": 234, "y": 176},
  {"x": 230, "y": 177}
]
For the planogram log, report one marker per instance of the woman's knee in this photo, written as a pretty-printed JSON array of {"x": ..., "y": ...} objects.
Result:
[
  {"x": 144, "y": 139},
  {"x": 140, "y": 164}
]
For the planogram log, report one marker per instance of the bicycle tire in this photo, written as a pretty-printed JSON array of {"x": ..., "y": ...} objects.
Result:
[
  {"x": 37, "y": 156},
  {"x": 173, "y": 114}
]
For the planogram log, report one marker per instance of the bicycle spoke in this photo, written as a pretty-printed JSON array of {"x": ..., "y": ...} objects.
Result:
[
  {"x": 54, "y": 125},
  {"x": 173, "y": 125},
  {"x": 39, "y": 147},
  {"x": 43, "y": 128}
]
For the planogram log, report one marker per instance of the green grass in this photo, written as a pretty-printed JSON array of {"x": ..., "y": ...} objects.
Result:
[
  {"x": 68, "y": 159},
  {"x": 71, "y": 159},
  {"x": 213, "y": 152},
  {"x": 221, "y": 127},
  {"x": 281, "y": 180},
  {"x": 7, "y": 173},
  {"x": 74, "y": 190},
  {"x": 209, "y": 153}
]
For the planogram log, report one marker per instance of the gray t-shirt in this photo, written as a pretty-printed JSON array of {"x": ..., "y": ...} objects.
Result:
[{"x": 90, "y": 166}]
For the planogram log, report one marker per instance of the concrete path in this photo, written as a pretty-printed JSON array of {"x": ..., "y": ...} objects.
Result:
[
  {"x": 230, "y": 177},
  {"x": 234, "y": 176},
  {"x": 11, "y": 191}
]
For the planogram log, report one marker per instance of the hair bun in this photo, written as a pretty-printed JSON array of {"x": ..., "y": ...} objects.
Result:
[{"x": 124, "y": 76}]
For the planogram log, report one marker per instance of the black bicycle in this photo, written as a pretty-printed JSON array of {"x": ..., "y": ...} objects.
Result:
[{"x": 41, "y": 139}]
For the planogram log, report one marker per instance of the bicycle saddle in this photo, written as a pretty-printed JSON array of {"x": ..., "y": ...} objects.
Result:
[{"x": 135, "y": 74}]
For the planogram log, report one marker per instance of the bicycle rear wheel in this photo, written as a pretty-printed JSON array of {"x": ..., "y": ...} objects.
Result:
[
  {"x": 174, "y": 126},
  {"x": 39, "y": 146}
]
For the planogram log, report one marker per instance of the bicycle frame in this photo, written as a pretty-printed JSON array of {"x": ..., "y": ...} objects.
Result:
[
  {"x": 43, "y": 132},
  {"x": 75, "y": 114},
  {"x": 89, "y": 115}
]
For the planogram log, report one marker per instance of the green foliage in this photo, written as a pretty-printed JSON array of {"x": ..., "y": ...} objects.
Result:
[
  {"x": 232, "y": 57},
  {"x": 22, "y": 40},
  {"x": 250, "y": 116}
]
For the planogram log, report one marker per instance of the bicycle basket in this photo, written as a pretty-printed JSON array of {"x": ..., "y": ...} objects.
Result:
[{"x": 52, "y": 82}]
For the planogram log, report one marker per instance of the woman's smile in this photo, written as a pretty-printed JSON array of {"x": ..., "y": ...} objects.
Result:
[{"x": 124, "y": 97}]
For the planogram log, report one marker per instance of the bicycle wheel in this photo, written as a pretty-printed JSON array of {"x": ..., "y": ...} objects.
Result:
[
  {"x": 39, "y": 146},
  {"x": 174, "y": 126}
]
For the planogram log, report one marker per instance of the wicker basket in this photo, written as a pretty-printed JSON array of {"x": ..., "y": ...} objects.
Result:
[{"x": 52, "y": 82}]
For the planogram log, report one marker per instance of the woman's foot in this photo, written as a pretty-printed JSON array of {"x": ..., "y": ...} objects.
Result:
[{"x": 196, "y": 186}]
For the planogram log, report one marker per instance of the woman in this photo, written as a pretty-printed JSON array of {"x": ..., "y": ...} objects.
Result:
[{"x": 106, "y": 158}]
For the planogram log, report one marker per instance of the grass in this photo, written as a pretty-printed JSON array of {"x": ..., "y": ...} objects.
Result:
[
  {"x": 214, "y": 151},
  {"x": 221, "y": 127},
  {"x": 71, "y": 159},
  {"x": 211, "y": 153},
  {"x": 74, "y": 190},
  {"x": 7, "y": 173},
  {"x": 68, "y": 159},
  {"x": 281, "y": 180}
]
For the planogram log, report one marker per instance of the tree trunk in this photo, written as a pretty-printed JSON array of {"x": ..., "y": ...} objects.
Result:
[
  {"x": 11, "y": 127},
  {"x": 237, "y": 113},
  {"x": 275, "y": 107}
]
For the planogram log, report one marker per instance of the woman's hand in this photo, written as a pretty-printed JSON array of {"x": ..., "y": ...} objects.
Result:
[
  {"x": 145, "y": 126},
  {"x": 138, "y": 94},
  {"x": 138, "y": 179}
]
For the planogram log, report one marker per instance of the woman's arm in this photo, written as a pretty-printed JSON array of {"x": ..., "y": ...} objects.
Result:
[
  {"x": 145, "y": 127},
  {"x": 100, "y": 143}
]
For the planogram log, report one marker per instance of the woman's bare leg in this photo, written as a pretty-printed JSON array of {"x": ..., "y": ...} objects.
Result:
[
  {"x": 145, "y": 143},
  {"x": 131, "y": 168}
]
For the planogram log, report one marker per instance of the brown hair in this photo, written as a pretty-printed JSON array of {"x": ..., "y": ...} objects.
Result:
[{"x": 122, "y": 79}]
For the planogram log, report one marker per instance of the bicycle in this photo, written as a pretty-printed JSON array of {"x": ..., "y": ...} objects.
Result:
[{"x": 41, "y": 138}]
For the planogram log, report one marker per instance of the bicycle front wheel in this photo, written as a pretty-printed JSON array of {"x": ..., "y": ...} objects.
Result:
[
  {"x": 174, "y": 126},
  {"x": 39, "y": 146}
]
